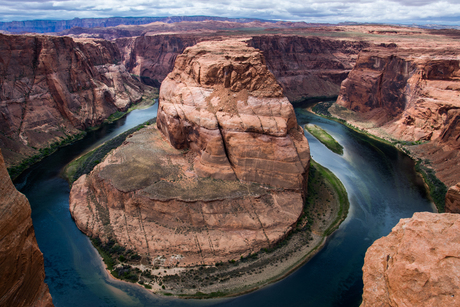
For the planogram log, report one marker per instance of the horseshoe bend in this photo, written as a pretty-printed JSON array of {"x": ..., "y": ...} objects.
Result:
[{"x": 222, "y": 174}]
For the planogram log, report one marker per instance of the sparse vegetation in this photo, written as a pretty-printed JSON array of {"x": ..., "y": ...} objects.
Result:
[
  {"x": 15, "y": 171},
  {"x": 324, "y": 138},
  {"x": 86, "y": 163},
  {"x": 436, "y": 187}
]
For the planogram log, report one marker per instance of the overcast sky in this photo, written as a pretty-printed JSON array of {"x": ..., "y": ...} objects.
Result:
[{"x": 333, "y": 11}]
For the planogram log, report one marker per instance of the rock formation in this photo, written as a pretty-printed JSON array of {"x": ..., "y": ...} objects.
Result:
[
  {"x": 453, "y": 199},
  {"x": 410, "y": 96},
  {"x": 417, "y": 264},
  {"x": 222, "y": 102},
  {"x": 233, "y": 180},
  {"x": 53, "y": 86},
  {"x": 21, "y": 262}
]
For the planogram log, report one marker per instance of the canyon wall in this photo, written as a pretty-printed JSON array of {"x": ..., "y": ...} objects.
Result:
[
  {"x": 152, "y": 57},
  {"x": 410, "y": 96},
  {"x": 224, "y": 174},
  {"x": 417, "y": 264},
  {"x": 53, "y": 86},
  {"x": 21, "y": 262},
  {"x": 306, "y": 67}
]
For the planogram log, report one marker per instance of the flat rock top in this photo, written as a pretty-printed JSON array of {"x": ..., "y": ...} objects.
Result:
[{"x": 147, "y": 163}]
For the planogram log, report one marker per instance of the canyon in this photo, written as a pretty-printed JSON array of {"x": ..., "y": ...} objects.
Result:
[
  {"x": 400, "y": 84},
  {"x": 230, "y": 171},
  {"x": 22, "y": 269}
]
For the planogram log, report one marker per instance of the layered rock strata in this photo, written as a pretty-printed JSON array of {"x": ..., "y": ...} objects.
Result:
[
  {"x": 223, "y": 176},
  {"x": 409, "y": 96},
  {"x": 417, "y": 264},
  {"x": 53, "y": 86},
  {"x": 21, "y": 262},
  {"x": 306, "y": 67}
]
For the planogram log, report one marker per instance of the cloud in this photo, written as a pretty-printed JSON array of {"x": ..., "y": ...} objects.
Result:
[{"x": 333, "y": 11}]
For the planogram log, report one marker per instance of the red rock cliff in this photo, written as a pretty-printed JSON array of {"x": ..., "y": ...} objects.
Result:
[
  {"x": 304, "y": 66},
  {"x": 21, "y": 262},
  {"x": 52, "y": 86},
  {"x": 417, "y": 264},
  {"x": 411, "y": 96},
  {"x": 308, "y": 67}
]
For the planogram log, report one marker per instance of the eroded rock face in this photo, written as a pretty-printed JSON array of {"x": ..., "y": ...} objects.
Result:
[
  {"x": 223, "y": 176},
  {"x": 21, "y": 262},
  {"x": 305, "y": 67},
  {"x": 223, "y": 103},
  {"x": 453, "y": 199},
  {"x": 417, "y": 264},
  {"x": 410, "y": 96},
  {"x": 52, "y": 86},
  {"x": 308, "y": 67}
]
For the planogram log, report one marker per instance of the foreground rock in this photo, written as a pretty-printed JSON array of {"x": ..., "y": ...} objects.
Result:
[
  {"x": 417, "y": 264},
  {"x": 53, "y": 86},
  {"x": 21, "y": 262},
  {"x": 233, "y": 180}
]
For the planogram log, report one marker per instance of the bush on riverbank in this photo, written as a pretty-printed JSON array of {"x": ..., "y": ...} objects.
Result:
[{"x": 436, "y": 187}]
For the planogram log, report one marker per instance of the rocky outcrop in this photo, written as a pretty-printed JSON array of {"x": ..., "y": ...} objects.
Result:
[
  {"x": 417, "y": 264},
  {"x": 21, "y": 262},
  {"x": 53, "y": 86},
  {"x": 233, "y": 180},
  {"x": 308, "y": 67},
  {"x": 410, "y": 96},
  {"x": 453, "y": 199},
  {"x": 222, "y": 102}
]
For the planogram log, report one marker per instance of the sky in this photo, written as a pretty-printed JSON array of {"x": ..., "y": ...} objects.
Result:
[{"x": 445, "y": 12}]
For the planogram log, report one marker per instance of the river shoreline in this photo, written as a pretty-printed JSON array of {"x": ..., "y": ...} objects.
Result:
[
  {"x": 15, "y": 171},
  {"x": 422, "y": 168}
]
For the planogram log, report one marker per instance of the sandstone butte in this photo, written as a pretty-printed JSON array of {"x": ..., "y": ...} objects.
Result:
[
  {"x": 21, "y": 263},
  {"x": 417, "y": 264},
  {"x": 224, "y": 175},
  {"x": 410, "y": 95},
  {"x": 53, "y": 86}
]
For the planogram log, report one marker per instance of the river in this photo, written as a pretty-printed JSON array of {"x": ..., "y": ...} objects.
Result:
[{"x": 382, "y": 187}]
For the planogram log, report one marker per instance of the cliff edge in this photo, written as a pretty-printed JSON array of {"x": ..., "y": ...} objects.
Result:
[{"x": 21, "y": 262}]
